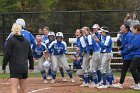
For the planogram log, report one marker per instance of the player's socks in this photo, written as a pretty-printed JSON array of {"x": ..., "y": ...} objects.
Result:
[
  {"x": 104, "y": 76},
  {"x": 109, "y": 79},
  {"x": 53, "y": 73},
  {"x": 90, "y": 77},
  {"x": 49, "y": 72},
  {"x": 62, "y": 72},
  {"x": 86, "y": 78},
  {"x": 95, "y": 79},
  {"x": 69, "y": 73},
  {"x": 99, "y": 75},
  {"x": 43, "y": 73}
]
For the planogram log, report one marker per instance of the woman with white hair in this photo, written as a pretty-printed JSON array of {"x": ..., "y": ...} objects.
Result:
[{"x": 17, "y": 53}]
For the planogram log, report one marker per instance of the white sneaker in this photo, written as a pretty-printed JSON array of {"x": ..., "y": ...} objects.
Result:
[
  {"x": 64, "y": 80},
  {"x": 118, "y": 85},
  {"x": 49, "y": 77},
  {"x": 84, "y": 85},
  {"x": 53, "y": 81},
  {"x": 94, "y": 85},
  {"x": 102, "y": 86},
  {"x": 132, "y": 87},
  {"x": 136, "y": 87},
  {"x": 110, "y": 86},
  {"x": 45, "y": 81},
  {"x": 72, "y": 80}
]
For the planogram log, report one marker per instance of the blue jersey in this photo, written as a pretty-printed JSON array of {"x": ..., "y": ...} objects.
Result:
[
  {"x": 106, "y": 44},
  {"x": 98, "y": 35},
  {"x": 58, "y": 48},
  {"x": 134, "y": 48},
  {"x": 44, "y": 38},
  {"x": 78, "y": 42},
  {"x": 26, "y": 34},
  {"x": 91, "y": 44},
  {"x": 126, "y": 39},
  {"x": 38, "y": 50},
  {"x": 82, "y": 45},
  {"x": 47, "y": 43}
]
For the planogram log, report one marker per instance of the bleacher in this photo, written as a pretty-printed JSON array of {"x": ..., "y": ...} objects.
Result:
[{"x": 116, "y": 61}]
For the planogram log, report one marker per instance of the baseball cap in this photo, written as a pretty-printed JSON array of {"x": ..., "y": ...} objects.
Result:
[{"x": 95, "y": 26}]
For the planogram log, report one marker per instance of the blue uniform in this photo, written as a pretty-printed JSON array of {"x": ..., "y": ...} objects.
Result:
[
  {"x": 98, "y": 35},
  {"x": 58, "y": 48},
  {"x": 91, "y": 44},
  {"x": 38, "y": 50},
  {"x": 26, "y": 35},
  {"x": 81, "y": 45},
  {"x": 44, "y": 38},
  {"x": 106, "y": 49},
  {"x": 126, "y": 39},
  {"x": 106, "y": 44},
  {"x": 134, "y": 48}
]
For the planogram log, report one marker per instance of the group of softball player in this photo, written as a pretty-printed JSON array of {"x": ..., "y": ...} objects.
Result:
[
  {"x": 96, "y": 49},
  {"x": 49, "y": 52}
]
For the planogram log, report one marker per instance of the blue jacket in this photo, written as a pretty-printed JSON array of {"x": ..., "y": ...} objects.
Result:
[
  {"x": 38, "y": 51},
  {"x": 27, "y": 35},
  {"x": 134, "y": 48},
  {"x": 58, "y": 48},
  {"x": 106, "y": 44},
  {"x": 126, "y": 39}
]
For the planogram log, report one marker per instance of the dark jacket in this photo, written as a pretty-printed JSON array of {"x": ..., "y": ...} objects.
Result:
[{"x": 17, "y": 53}]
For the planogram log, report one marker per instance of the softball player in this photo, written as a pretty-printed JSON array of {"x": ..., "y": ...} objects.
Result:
[
  {"x": 51, "y": 38},
  {"x": 58, "y": 49},
  {"x": 93, "y": 51},
  {"x": 38, "y": 54},
  {"x": 45, "y": 32},
  {"x": 106, "y": 54},
  {"x": 97, "y": 62}
]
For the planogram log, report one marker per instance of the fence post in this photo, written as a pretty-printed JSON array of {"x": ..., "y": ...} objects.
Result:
[{"x": 3, "y": 31}]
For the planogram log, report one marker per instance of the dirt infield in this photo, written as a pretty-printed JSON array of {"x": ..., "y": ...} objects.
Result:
[{"x": 35, "y": 85}]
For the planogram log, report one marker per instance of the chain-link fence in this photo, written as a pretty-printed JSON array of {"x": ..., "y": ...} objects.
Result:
[{"x": 65, "y": 21}]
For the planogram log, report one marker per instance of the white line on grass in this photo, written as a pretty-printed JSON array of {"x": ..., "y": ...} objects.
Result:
[{"x": 39, "y": 90}]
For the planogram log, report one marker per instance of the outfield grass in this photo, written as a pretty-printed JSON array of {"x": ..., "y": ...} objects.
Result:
[{"x": 6, "y": 75}]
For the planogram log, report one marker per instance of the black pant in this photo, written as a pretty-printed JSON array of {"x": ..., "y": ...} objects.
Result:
[
  {"x": 125, "y": 66},
  {"x": 135, "y": 69}
]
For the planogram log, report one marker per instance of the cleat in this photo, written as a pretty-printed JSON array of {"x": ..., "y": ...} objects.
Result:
[
  {"x": 53, "y": 81},
  {"x": 94, "y": 85},
  {"x": 118, "y": 85},
  {"x": 45, "y": 81},
  {"x": 72, "y": 80},
  {"x": 64, "y": 80},
  {"x": 84, "y": 85},
  {"x": 49, "y": 77},
  {"x": 102, "y": 86},
  {"x": 110, "y": 86}
]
